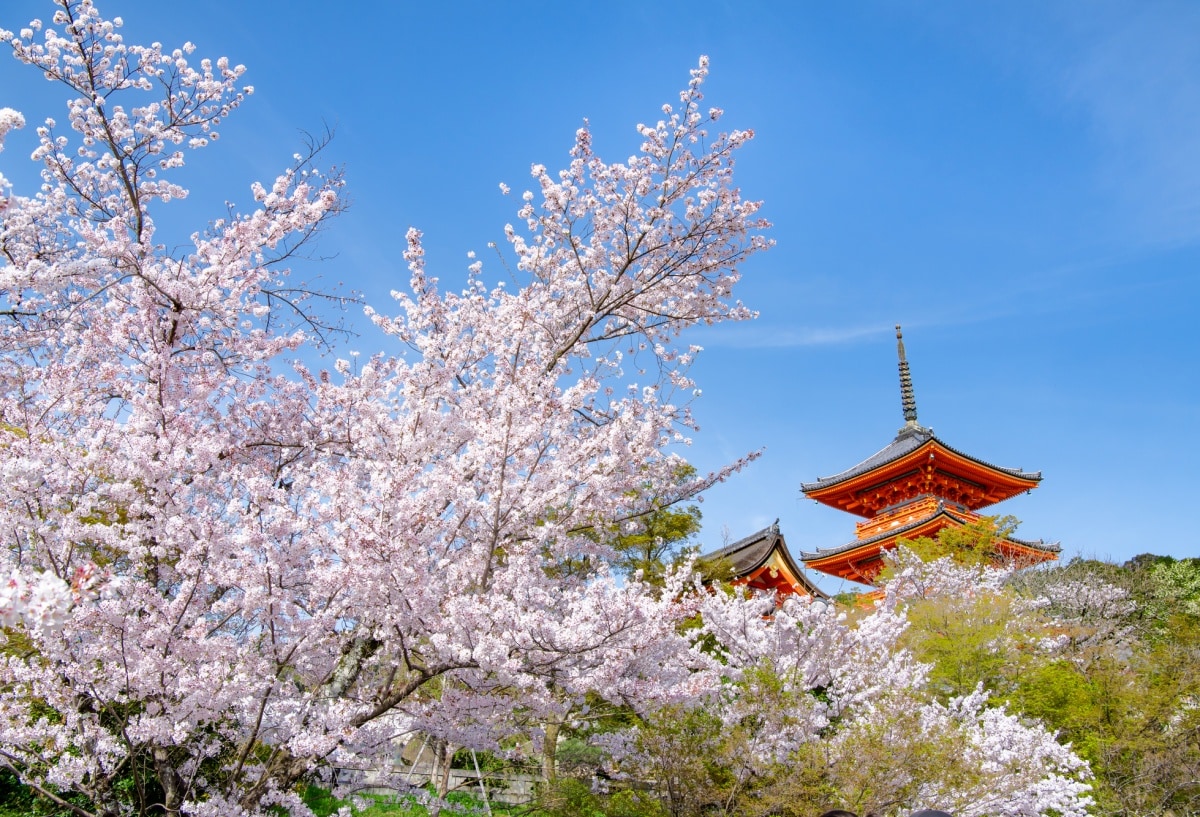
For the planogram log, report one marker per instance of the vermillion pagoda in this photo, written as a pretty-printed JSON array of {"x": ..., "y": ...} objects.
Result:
[{"x": 916, "y": 486}]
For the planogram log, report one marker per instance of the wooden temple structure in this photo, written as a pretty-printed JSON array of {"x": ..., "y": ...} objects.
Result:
[{"x": 915, "y": 486}]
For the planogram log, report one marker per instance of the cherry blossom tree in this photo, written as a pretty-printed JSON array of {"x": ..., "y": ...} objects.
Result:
[{"x": 297, "y": 566}]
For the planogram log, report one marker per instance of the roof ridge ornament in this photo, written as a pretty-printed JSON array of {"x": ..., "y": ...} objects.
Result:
[{"x": 908, "y": 400}]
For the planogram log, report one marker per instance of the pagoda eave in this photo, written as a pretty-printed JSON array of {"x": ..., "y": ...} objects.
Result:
[
  {"x": 930, "y": 468},
  {"x": 862, "y": 560}
]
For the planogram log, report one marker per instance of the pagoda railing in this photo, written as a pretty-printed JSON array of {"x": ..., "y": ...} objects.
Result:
[{"x": 900, "y": 515}]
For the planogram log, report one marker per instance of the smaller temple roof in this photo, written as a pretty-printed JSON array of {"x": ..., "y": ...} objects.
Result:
[
  {"x": 822, "y": 553},
  {"x": 751, "y": 553}
]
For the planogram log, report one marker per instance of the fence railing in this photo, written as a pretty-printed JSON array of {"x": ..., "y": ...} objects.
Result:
[{"x": 509, "y": 788}]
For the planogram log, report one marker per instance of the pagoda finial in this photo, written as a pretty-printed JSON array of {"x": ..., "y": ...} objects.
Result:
[{"x": 907, "y": 399}]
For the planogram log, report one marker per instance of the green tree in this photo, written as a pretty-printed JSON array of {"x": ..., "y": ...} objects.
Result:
[
  {"x": 1108, "y": 655},
  {"x": 1175, "y": 584},
  {"x": 969, "y": 641},
  {"x": 658, "y": 539},
  {"x": 659, "y": 543}
]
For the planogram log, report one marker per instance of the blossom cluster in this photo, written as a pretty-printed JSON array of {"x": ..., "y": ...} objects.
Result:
[
  {"x": 807, "y": 681},
  {"x": 40, "y": 604},
  {"x": 9, "y": 120}
]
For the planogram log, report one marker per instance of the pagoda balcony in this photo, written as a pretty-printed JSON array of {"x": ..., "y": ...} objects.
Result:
[{"x": 906, "y": 513}]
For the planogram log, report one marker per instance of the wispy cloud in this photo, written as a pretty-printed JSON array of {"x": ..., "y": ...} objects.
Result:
[
  {"x": 1131, "y": 71},
  {"x": 1136, "y": 73},
  {"x": 766, "y": 336}
]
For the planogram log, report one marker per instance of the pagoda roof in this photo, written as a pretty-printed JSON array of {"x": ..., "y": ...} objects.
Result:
[
  {"x": 910, "y": 439},
  {"x": 895, "y": 533},
  {"x": 753, "y": 553}
]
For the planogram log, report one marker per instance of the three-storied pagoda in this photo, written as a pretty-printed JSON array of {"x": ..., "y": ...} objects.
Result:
[{"x": 916, "y": 486}]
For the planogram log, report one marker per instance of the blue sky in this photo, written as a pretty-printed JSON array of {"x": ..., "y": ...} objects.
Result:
[{"x": 1018, "y": 184}]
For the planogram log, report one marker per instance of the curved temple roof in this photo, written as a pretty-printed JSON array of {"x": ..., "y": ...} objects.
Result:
[
  {"x": 907, "y": 441},
  {"x": 754, "y": 552},
  {"x": 898, "y": 532}
]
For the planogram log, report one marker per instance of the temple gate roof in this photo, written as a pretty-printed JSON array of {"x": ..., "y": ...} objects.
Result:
[{"x": 763, "y": 561}]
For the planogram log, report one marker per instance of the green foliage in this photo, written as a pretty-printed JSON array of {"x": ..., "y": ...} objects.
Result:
[
  {"x": 321, "y": 801},
  {"x": 650, "y": 543},
  {"x": 882, "y": 765},
  {"x": 848, "y": 599},
  {"x": 659, "y": 537},
  {"x": 325, "y": 804},
  {"x": 656, "y": 545},
  {"x": 1122, "y": 686},
  {"x": 489, "y": 763},
  {"x": 1175, "y": 585},
  {"x": 698, "y": 762},
  {"x": 970, "y": 545},
  {"x": 577, "y": 758},
  {"x": 17, "y": 800},
  {"x": 1055, "y": 692},
  {"x": 570, "y": 797},
  {"x": 967, "y": 642},
  {"x": 576, "y": 798}
]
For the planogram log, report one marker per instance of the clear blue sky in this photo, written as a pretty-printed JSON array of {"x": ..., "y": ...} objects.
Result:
[{"x": 1018, "y": 184}]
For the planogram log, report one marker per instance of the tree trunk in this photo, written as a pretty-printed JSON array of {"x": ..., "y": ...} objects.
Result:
[
  {"x": 550, "y": 752},
  {"x": 443, "y": 754},
  {"x": 169, "y": 779}
]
